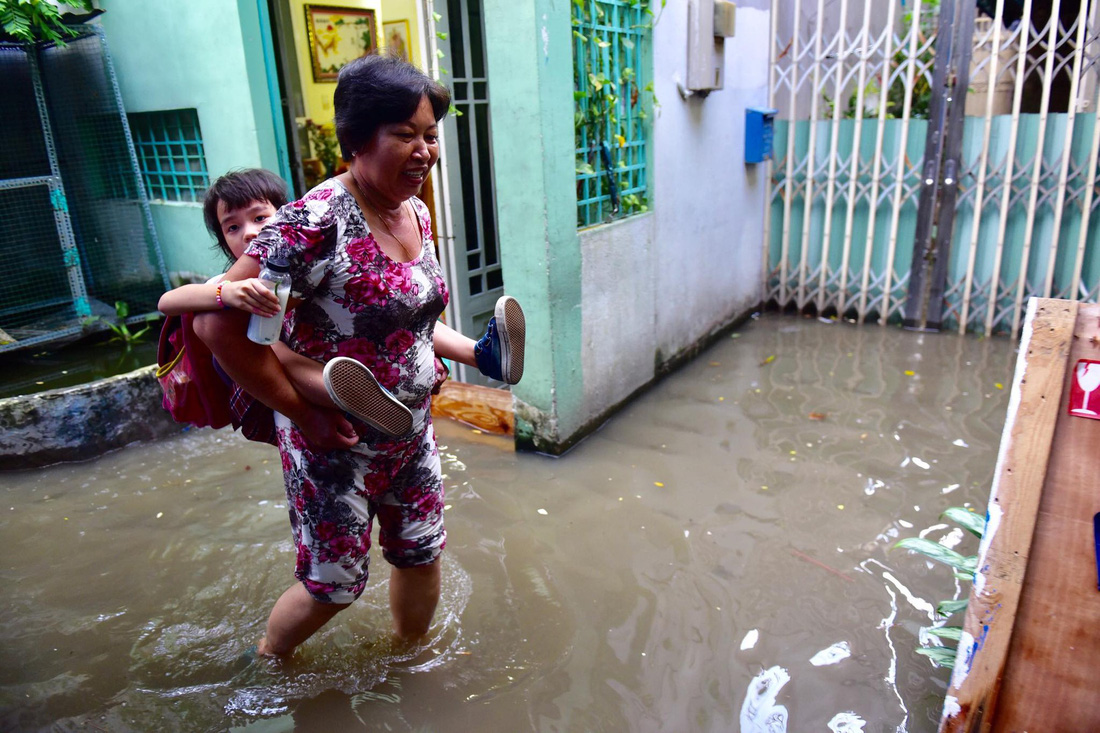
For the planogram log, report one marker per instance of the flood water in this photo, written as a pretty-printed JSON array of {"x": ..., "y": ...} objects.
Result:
[{"x": 715, "y": 558}]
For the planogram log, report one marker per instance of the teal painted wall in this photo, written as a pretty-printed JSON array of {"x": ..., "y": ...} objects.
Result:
[
  {"x": 531, "y": 91},
  {"x": 205, "y": 55}
]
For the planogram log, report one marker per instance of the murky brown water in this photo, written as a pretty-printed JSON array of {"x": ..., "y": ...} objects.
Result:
[{"x": 677, "y": 571}]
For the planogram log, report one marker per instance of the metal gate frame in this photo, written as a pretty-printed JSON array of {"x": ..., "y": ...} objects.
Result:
[{"x": 942, "y": 167}]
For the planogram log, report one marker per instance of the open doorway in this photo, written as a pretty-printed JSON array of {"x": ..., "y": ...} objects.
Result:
[{"x": 309, "y": 43}]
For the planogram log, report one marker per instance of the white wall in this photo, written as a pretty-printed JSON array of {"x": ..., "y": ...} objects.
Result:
[{"x": 658, "y": 284}]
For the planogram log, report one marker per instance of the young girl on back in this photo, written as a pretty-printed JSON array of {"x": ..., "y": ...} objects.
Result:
[{"x": 235, "y": 209}]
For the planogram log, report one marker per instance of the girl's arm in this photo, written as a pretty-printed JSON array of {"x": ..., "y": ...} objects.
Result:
[
  {"x": 248, "y": 295},
  {"x": 257, "y": 370}
]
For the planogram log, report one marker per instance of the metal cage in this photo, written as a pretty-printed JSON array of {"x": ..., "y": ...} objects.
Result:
[{"x": 76, "y": 235}]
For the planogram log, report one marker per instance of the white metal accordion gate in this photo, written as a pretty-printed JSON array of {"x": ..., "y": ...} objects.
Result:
[{"x": 934, "y": 164}]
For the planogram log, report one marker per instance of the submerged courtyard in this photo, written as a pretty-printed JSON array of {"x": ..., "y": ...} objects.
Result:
[{"x": 718, "y": 556}]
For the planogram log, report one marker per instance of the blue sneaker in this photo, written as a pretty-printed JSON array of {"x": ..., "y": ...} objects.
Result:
[{"x": 499, "y": 352}]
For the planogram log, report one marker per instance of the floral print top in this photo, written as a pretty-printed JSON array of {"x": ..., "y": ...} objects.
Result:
[{"x": 357, "y": 301}]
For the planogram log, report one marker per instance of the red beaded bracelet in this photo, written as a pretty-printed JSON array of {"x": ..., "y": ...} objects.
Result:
[{"x": 218, "y": 294}]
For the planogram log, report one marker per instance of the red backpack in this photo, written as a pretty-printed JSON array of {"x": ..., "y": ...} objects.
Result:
[{"x": 194, "y": 392}]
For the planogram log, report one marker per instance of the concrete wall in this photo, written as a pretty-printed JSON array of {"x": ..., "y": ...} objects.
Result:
[
  {"x": 709, "y": 205},
  {"x": 530, "y": 66},
  {"x": 75, "y": 423},
  {"x": 658, "y": 285},
  {"x": 608, "y": 306},
  {"x": 200, "y": 55}
]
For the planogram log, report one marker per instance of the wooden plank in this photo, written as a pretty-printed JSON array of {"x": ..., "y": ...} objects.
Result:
[
  {"x": 480, "y": 407},
  {"x": 1013, "y": 506},
  {"x": 1052, "y": 680}
]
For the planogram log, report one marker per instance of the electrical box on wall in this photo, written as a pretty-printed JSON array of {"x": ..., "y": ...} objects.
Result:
[
  {"x": 710, "y": 23},
  {"x": 759, "y": 132}
]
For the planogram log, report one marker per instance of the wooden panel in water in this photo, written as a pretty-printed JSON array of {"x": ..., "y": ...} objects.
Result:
[
  {"x": 1030, "y": 656},
  {"x": 484, "y": 408}
]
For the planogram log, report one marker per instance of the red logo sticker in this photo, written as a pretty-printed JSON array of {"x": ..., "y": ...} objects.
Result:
[{"x": 1084, "y": 393}]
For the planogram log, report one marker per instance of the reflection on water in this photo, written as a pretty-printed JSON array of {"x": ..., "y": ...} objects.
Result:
[{"x": 716, "y": 557}]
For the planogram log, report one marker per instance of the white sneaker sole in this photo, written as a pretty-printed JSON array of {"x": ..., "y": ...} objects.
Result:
[
  {"x": 355, "y": 391},
  {"x": 512, "y": 329}
]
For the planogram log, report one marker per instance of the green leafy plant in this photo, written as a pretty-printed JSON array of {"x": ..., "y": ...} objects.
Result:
[
  {"x": 964, "y": 569},
  {"x": 121, "y": 331},
  {"x": 322, "y": 139},
  {"x": 894, "y": 98},
  {"x": 30, "y": 21},
  {"x": 599, "y": 100}
]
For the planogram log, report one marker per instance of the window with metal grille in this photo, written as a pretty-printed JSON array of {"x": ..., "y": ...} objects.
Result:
[
  {"x": 169, "y": 148},
  {"x": 611, "y": 92}
]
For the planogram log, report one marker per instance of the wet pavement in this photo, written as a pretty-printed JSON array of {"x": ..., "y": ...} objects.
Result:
[{"x": 715, "y": 558}]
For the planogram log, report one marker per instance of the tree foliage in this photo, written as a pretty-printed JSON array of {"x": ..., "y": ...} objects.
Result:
[{"x": 31, "y": 21}]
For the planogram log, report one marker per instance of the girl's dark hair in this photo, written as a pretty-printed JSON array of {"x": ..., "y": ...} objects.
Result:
[
  {"x": 376, "y": 90},
  {"x": 238, "y": 189}
]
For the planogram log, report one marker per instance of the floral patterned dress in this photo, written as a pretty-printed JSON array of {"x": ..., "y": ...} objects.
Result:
[{"x": 358, "y": 302}]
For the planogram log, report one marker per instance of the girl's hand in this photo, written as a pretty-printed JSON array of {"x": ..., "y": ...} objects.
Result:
[{"x": 251, "y": 295}]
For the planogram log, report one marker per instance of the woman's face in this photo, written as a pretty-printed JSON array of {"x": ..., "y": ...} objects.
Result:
[{"x": 396, "y": 161}]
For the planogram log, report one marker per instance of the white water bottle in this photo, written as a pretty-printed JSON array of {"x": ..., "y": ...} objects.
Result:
[{"x": 267, "y": 329}]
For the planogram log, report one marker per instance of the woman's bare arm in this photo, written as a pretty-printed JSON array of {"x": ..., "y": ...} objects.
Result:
[{"x": 259, "y": 372}]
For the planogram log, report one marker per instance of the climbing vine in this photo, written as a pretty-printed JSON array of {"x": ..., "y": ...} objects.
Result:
[{"x": 612, "y": 107}]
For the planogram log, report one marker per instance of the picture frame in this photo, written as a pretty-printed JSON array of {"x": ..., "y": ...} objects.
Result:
[
  {"x": 338, "y": 35},
  {"x": 395, "y": 34}
]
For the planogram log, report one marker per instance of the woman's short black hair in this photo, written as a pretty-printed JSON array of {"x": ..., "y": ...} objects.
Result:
[
  {"x": 376, "y": 90},
  {"x": 238, "y": 189}
]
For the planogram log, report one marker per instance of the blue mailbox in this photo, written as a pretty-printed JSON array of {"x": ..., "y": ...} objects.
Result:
[{"x": 759, "y": 130}]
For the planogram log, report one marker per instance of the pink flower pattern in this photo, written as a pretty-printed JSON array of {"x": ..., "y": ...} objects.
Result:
[{"x": 358, "y": 302}]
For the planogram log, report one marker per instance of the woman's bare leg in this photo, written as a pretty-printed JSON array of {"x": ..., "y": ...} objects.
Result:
[
  {"x": 295, "y": 617},
  {"x": 414, "y": 594}
]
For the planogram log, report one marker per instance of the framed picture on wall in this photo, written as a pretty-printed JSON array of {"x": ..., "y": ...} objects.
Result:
[
  {"x": 337, "y": 36},
  {"x": 396, "y": 36}
]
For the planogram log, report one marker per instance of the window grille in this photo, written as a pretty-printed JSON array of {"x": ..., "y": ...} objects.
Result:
[
  {"x": 169, "y": 148},
  {"x": 611, "y": 92}
]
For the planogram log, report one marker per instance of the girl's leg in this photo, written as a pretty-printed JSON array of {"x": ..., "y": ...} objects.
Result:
[{"x": 305, "y": 374}]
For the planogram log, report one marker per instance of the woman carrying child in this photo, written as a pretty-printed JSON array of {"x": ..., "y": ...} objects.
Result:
[
  {"x": 236, "y": 207},
  {"x": 366, "y": 285}
]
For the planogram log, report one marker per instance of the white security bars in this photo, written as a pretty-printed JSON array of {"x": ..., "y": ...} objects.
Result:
[{"x": 853, "y": 81}]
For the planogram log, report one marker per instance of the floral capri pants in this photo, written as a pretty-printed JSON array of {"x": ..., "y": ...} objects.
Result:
[{"x": 334, "y": 497}]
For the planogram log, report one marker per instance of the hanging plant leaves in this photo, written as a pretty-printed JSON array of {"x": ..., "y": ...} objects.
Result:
[
  {"x": 939, "y": 553},
  {"x": 954, "y": 633},
  {"x": 968, "y": 520},
  {"x": 941, "y": 655},
  {"x": 948, "y": 608}
]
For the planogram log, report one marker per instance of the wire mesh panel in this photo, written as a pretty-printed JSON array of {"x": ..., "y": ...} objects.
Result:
[
  {"x": 46, "y": 290},
  {"x": 20, "y": 121},
  {"x": 610, "y": 88},
  {"x": 77, "y": 225}
]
